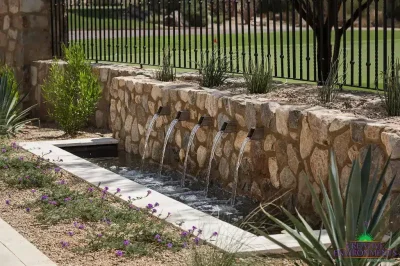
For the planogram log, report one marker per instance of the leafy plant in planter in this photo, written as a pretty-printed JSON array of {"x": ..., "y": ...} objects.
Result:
[
  {"x": 72, "y": 91},
  {"x": 166, "y": 71},
  {"x": 213, "y": 69},
  {"x": 12, "y": 116},
  {"x": 391, "y": 93},
  {"x": 259, "y": 78},
  {"x": 360, "y": 213}
]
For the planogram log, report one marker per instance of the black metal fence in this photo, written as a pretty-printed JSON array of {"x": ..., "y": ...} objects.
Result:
[{"x": 300, "y": 39}]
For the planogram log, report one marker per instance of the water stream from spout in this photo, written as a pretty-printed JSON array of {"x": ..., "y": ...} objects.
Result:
[
  {"x": 170, "y": 129},
  {"x": 214, "y": 147},
  {"x": 191, "y": 138},
  {"x": 148, "y": 132},
  {"x": 236, "y": 177}
]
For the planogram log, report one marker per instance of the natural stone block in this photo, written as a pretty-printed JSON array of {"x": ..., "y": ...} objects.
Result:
[
  {"x": 320, "y": 121},
  {"x": 287, "y": 178},
  {"x": 178, "y": 138},
  {"x": 392, "y": 144},
  {"x": 128, "y": 144},
  {"x": 294, "y": 118},
  {"x": 306, "y": 140},
  {"x": 372, "y": 131},
  {"x": 303, "y": 192},
  {"x": 6, "y": 22},
  {"x": 319, "y": 163},
  {"x": 251, "y": 114},
  {"x": 135, "y": 131},
  {"x": 103, "y": 74},
  {"x": 139, "y": 87},
  {"x": 130, "y": 85},
  {"x": 282, "y": 117},
  {"x": 240, "y": 136},
  {"x": 227, "y": 149},
  {"x": 3, "y": 39},
  {"x": 156, "y": 93},
  {"x": 123, "y": 114},
  {"x": 12, "y": 34},
  {"x": 201, "y": 100},
  {"x": 393, "y": 170},
  {"x": 201, "y": 135},
  {"x": 281, "y": 153},
  {"x": 341, "y": 146},
  {"x": 201, "y": 155},
  {"x": 212, "y": 104},
  {"x": 34, "y": 75},
  {"x": 31, "y": 6},
  {"x": 156, "y": 151},
  {"x": 128, "y": 124},
  {"x": 293, "y": 158},
  {"x": 269, "y": 143},
  {"x": 184, "y": 95},
  {"x": 268, "y": 111},
  {"x": 240, "y": 119},
  {"x": 273, "y": 171},
  {"x": 3, "y": 7},
  {"x": 353, "y": 152},
  {"x": 357, "y": 131},
  {"x": 340, "y": 123}
]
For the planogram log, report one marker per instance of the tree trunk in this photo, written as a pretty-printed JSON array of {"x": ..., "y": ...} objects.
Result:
[{"x": 324, "y": 54}]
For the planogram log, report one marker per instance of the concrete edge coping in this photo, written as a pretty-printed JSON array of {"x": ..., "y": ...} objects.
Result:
[
  {"x": 23, "y": 251},
  {"x": 230, "y": 238}
]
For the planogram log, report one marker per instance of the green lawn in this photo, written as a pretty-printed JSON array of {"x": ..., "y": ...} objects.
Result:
[{"x": 241, "y": 48}]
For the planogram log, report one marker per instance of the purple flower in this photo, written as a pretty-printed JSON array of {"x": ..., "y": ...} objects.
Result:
[
  {"x": 106, "y": 188},
  {"x": 67, "y": 199},
  {"x": 118, "y": 190},
  {"x": 159, "y": 240},
  {"x": 8, "y": 202},
  {"x": 196, "y": 240},
  {"x": 130, "y": 206},
  {"x": 126, "y": 242},
  {"x": 148, "y": 192},
  {"x": 154, "y": 211},
  {"x": 45, "y": 197},
  {"x": 157, "y": 236},
  {"x": 28, "y": 209},
  {"x": 184, "y": 234},
  {"x": 199, "y": 231},
  {"x": 169, "y": 245},
  {"x": 156, "y": 204},
  {"x": 214, "y": 234},
  {"x": 21, "y": 158},
  {"x": 169, "y": 214},
  {"x": 90, "y": 189},
  {"x": 149, "y": 206},
  {"x": 184, "y": 245},
  {"x": 62, "y": 182},
  {"x": 14, "y": 145},
  {"x": 53, "y": 202},
  {"x": 129, "y": 197},
  {"x": 64, "y": 244},
  {"x": 81, "y": 226},
  {"x": 194, "y": 228},
  {"x": 119, "y": 253},
  {"x": 75, "y": 224},
  {"x": 27, "y": 177},
  {"x": 57, "y": 169},
  {"x": 190, "y": 231},
  {"x": 99, "y": 235},
  {"x": 70, "y": 233},
  {"x": 3, "y": 150}
]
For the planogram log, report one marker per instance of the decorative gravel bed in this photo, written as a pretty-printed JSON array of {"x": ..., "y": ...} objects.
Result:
[{"x": 24, "y": 206}]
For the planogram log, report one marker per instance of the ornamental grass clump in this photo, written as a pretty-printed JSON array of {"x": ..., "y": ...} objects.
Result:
[
  {"x": 166, "y": 71},
  {"x": 391, "y": 93},
  {"x": 330, "y": 88},
  {"x": 213, "y": 69},
  {"x": 259, "y": 78},
  {"x": 362, "y": 212},
  {"x": 72, "y": 91}
]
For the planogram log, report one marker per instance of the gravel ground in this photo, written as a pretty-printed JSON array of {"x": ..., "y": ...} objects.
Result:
[{"x": 47, "y": 238}]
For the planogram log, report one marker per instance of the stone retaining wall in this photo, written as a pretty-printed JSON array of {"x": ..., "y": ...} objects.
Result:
[{"x": 296, "y": 143}]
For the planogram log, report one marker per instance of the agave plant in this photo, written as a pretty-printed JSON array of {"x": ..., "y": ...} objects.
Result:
[
  {"x": 12, "y": 117},
  {"x": 360, "y": 213}
]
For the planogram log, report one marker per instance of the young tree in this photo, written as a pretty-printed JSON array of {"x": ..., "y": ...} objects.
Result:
[{"x": 322, "y": 16}]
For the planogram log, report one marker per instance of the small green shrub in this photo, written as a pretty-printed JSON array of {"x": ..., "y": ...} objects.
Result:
[
  {"x": 259, "y": 78},
  {"x": 211, "y": 257},
  {"x": 72, "y": 91},
  {"x": 392, "y": 90},
  {"x": 12, "y": 117},
  {"x": 166, "y": 71},
  {"x": 361, "y": 212},
  {"x": 213, "y": 69}
]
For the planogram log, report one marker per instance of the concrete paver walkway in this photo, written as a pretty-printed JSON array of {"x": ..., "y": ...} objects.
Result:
[{"x": 15, "y": 250}]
